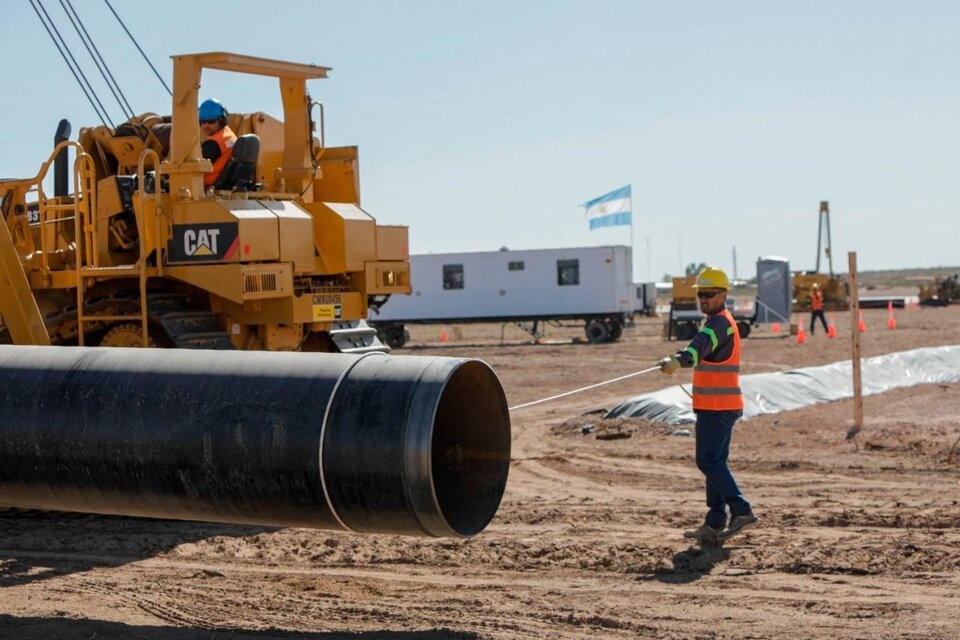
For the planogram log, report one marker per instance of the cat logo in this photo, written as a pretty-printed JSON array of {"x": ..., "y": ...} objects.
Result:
[
  {"x": 200, "y": 242},
  {"x": 211, "y": 242}
]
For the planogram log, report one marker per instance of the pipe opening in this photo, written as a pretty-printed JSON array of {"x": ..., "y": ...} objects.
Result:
[{"x": 470, "y": 452}]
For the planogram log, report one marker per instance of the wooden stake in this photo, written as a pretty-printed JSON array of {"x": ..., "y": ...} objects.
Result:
[{"x": 855, "y": 349}]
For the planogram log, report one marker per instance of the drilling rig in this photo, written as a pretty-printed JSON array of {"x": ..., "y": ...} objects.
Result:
[{"x": 836, "y": 295}]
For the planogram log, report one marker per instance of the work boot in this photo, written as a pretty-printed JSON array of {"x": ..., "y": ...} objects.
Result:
[
  {"x": 738, "y": 524},
  {"x": 705, "y": 533}
]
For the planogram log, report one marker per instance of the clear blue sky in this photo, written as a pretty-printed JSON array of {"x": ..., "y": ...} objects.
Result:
[{"x": 486, "y": 124}]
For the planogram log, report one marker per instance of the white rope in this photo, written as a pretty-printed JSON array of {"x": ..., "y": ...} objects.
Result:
[{"x": 592, "y": 386}]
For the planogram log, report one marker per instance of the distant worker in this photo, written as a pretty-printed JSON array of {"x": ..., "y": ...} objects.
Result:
[
  {"x": 218, "y": 147},
  {"x": 816, "y": 308},
  {"x": 714, "y": 354}
]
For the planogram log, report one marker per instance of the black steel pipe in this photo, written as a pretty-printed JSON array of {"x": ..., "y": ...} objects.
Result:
[{"x": 370, "y": 443}]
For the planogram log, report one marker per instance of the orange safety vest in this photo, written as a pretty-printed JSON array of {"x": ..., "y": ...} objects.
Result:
[
  {"x": 716, "y": 385},
  {"x": 816, "y": 300},
  {"x": 225, "y": 139}
]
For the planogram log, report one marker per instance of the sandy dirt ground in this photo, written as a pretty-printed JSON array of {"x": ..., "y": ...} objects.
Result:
[{"x": 859, "y": 538}]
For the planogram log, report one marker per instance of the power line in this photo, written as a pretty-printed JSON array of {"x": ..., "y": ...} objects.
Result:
[
  {"x": 97, "y": 58},
  {"x": 75, "y": 69},
  {"x": 137, "y": 45}
]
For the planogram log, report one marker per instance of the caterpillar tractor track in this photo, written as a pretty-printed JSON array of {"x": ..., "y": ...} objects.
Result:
[
  {"x": 277, "y": 256},
  {"x": 173, "y": 321}
]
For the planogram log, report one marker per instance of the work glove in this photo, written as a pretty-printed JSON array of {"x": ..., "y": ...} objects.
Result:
[{"x": 669, "y": 365}]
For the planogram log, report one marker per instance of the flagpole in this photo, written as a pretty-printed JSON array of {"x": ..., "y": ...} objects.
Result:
[{"x": 632, "y": 268}]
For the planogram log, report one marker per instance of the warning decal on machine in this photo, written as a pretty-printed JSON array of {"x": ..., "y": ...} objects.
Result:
[{"x": 327, "y": 307}]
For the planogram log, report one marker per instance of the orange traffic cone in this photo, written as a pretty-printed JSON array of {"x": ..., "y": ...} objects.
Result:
[
  {"x": 861, "y": 325},
  {"x": 776, "y": 327},
  {"x": 831, "y": 328},
  {"x": 443, "y": 335},
  {"x": 801, "y": 334},
  {"x": 891, "y": 321}
]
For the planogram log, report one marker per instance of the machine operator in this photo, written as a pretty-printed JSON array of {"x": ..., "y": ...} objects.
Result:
[{"x": 218, "y": 147}]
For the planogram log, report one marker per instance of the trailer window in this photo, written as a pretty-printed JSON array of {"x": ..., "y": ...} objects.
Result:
[
  {"x": 515, "y": 265},
  {"x": 568, "y": 272},
  {"x": 453, "y": 276}
]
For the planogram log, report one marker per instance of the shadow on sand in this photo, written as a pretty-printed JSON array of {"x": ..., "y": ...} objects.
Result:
[
  {"x": 12, "y": 628},
  {"x": 35, "y": 546},
  {"x": 690, "y": 565}
]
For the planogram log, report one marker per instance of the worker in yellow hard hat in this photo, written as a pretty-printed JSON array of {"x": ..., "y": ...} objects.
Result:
[
  {"x": 714, "y": 355},
  {"x": 816, "y": 308}
]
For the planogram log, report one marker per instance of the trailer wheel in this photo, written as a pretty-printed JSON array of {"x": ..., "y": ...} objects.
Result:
[
  {"x": 395, "y": 336},
  {"x": 744, "y": 329},
  {"x": 615, "y": 329},
  {"x": 686, "y": 330},
  {"x": 597, "y": 332}
]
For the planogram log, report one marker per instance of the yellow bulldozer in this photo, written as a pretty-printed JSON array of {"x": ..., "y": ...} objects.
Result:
[
  {"x": 941, "y": 292},
  {"x": 278, "y": 257}
]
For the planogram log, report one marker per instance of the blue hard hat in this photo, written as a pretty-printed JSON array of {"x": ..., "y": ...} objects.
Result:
[{"x": 211, "y": 109}]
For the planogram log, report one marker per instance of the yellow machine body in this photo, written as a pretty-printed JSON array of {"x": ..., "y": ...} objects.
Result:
[
  {"x": 140, "y": 253},
  {"x": 834, "y": 289},
  {"x": 685, "y": 291},
  {"x": 941, "y": 292}
]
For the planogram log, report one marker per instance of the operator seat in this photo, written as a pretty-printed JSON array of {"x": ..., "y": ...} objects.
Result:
[{"x": 239, "y": 173}]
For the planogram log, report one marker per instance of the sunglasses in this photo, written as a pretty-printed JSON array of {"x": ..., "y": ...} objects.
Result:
[
  {"x": 210, "y": 121},
  {"x": 707, "y": 295}
]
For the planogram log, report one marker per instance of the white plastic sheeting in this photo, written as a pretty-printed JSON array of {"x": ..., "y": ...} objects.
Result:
[{"x": 765, "y": 393}]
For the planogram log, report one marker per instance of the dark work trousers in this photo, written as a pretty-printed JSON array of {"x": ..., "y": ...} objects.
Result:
[
  {"x": 714, "y": 431},
  {"x": 813, "y": 318}
]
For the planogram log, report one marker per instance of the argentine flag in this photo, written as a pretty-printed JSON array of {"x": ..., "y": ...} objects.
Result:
[{"x": 609, "y": 210}]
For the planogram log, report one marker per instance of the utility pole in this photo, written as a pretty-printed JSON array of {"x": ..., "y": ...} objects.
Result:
[
  {"x": 824, "y": 248},
  {"x": 679, "y": 253},
  {"x": 735, "y": 276},
  {"x": 855, "y": 348},
  {"x": 649, "y": 274}
]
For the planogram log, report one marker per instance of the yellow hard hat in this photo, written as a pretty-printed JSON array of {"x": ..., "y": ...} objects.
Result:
[
  {"x": 713, "y": 278},
  {"x": 816, "y": 286}
]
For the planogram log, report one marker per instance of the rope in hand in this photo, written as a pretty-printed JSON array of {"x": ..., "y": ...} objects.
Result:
[{"x": 592, "y": 386}]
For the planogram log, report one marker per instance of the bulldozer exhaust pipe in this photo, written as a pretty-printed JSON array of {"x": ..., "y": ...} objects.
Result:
[
  {"x": 61, "y": 168},
  {"x": 371, "y": 443}
]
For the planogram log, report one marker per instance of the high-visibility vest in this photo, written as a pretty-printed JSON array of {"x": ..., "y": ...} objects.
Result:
[
  {"x": 716, "y": 385},
  {"x": 225, "y": 139},
  {"x": 816, "y": 300}
]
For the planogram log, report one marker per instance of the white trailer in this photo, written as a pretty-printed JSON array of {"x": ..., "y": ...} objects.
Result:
[
  {"x": 645, "y": 298},
  {"x": 593, "y": 284}
]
